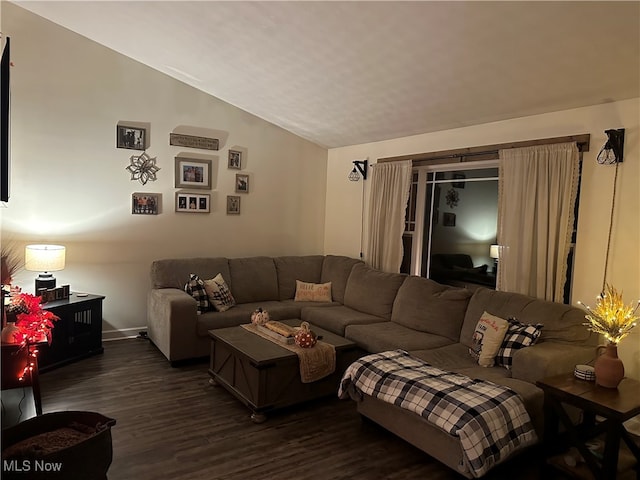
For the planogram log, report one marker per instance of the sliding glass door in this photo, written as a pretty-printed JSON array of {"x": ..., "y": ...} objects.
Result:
[{"x": 451, "y": 223}]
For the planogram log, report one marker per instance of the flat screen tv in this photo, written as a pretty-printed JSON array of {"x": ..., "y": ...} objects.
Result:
[{"x": 5, "y": 132}]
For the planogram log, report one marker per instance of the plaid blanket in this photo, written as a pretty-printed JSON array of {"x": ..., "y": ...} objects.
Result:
[{"x": 489, "y": 419}]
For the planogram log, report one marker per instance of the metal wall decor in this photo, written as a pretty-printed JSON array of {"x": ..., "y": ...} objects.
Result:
[
  {"x": 612, "y": 151},
  {"x": 452, "y": 197},
  {"x": 359, "y": 166},
  {"x": 143, "y": 168}
]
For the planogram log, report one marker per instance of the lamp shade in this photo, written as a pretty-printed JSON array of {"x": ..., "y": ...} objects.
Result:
[
  {"x": 494, "y": 251},
  {"x": 44, "y": 258}
]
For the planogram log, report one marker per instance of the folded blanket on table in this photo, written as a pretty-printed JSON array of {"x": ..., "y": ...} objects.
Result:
[{"x": 489, "y": 419}]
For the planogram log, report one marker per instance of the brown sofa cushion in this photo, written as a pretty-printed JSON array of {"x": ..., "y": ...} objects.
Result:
[
  {"x": 372, "y": 291},
  {"x": 336, "y": 269},
  {"x": 242, "y": 314},
  {"x": 382, "y": 336},
  {"x": 253, "y": 279},
  {"x": 562, "y": 323},
  {"x": 290, "y": 269},
  {"x": 174, "y": 272},
  {"x": 336, "y": 318},
  {"x": 427, "y": 306}
]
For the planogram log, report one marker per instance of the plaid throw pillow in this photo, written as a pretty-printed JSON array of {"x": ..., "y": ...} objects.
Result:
[
  {"x": 518, "y": 336},
  {"x": 195, "y": 288},
  {"x": 219, "y": 293}
]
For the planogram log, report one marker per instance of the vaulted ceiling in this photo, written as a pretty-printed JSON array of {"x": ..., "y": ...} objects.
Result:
[{"x": 342, "y": 73}]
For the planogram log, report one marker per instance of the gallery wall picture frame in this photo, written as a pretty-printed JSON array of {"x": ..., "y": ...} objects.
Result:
[
  {"x": 235, "y": 159},
  {"x": 457, "y": 183},
  {"x": 193, "y": 173},
  {"x": 189, "y": 202},
  {"x": 132, "y": 138},
  {"x": 144, "y": 203},
  {"x": 448, "y": 219},
  {"x": 242, "y": 183},
  {"x": 233, "y": 205}
]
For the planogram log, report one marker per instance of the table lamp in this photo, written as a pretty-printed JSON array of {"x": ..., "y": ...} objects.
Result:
[
  {"x": 44, "y": 259},
  {"x": 494, "y": 252}
]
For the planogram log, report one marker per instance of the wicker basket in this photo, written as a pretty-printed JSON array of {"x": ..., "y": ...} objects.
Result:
[{"x": 88, "y": 459}]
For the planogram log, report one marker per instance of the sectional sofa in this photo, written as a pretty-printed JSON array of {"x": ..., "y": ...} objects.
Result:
[{"x": 379, "y": 311}]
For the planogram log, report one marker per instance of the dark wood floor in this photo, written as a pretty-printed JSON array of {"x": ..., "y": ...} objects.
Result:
[{"x": 171, "y": 424}]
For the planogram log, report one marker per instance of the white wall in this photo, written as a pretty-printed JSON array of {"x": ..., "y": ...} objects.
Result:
[
  {"x": 70, "y": 186},
  {"x": 342, "y": 227}
]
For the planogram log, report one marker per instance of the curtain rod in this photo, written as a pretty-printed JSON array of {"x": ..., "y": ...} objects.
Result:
[{"x": 582, "y": 142}]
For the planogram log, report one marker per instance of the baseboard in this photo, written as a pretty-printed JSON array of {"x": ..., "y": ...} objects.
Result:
[{"x": 121, "y": 334}]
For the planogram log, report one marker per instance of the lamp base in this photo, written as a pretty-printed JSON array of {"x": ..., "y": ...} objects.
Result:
[{"x": 45, "y": 280}]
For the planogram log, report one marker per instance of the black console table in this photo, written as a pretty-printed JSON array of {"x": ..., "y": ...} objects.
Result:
[{"x": 78, "y": 333}]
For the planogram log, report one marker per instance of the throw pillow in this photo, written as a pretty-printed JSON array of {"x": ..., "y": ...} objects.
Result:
[
  {"x": 487, "y": 338},
  {"x": 195, "y": 288},
  {"x": 219, "y": 293},
  {"x": 518, "y": 336},
  {"x": 312, "y": 292}
]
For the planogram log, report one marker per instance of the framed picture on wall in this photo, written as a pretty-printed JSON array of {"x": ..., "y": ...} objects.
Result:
[
  {"x": 242, "y": 183},
  {"x": 458, "y": 180},
  {"x": 133, "y": 138},
  {"x": 235, "y": 159},
  {"x": 193, "y": 173},
  {"x": 233, "y": 205},
  {"x": 145, "y": 203},
  {"x": 448, "y": 219},
  {"x": 188, "y": 202}
]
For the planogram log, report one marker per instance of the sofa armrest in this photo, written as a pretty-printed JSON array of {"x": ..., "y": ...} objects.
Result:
[
  {"x": 172, "y": 317},
  {"x": 549, "y": 358}
]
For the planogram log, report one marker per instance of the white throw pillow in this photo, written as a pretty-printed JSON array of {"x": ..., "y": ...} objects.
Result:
[
  {"x": 312, "y": 292},
  {"x": 219, "y": 293},
  {"x": 487, "y": 338}
]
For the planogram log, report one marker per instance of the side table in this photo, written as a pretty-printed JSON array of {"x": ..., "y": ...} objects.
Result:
[
  {"x": 15, "y": 360},
  {"x": 78, "y": 333},
  {"x": 614, "y": 405}
]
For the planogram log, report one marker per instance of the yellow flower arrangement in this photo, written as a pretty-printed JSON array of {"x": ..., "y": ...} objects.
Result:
[{"x": 611, "y": 317}]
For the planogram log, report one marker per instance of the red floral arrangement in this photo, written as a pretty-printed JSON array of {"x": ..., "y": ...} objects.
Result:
[{"x": 33, "y": 322}]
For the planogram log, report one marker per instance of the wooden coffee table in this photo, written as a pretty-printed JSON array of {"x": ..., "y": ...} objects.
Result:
[{"x": 265, "y": 376}]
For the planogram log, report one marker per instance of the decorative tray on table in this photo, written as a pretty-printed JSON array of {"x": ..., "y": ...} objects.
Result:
[{"x": 278, "y": 331}]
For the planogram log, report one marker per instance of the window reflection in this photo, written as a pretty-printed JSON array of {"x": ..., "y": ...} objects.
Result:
[{"x": 460, "y": 225}]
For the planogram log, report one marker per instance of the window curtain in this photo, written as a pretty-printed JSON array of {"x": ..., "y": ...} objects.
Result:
[
  {"x": 537, "y": 194},
  {"x": 390, "y": 184}
]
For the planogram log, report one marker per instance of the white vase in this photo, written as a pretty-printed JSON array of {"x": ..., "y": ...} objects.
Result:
[{"x": 10, "y": 332}]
